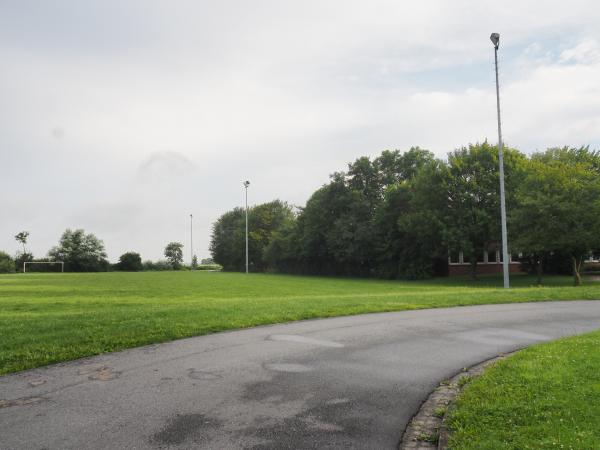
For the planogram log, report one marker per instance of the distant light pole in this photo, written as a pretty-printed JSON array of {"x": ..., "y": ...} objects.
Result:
[
  {"x": 246, "y": 184},
  {"x": 191, "y": 242},
  {"x": 495, "y": 38}
]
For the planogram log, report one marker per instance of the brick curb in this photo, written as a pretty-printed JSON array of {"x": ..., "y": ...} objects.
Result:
[{"x": 427, "y": 430}]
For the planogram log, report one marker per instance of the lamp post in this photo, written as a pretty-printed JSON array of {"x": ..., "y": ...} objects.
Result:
[
  {"x": 246, "y": 184},
  {"x": 191, "y": 242},
  {"x": 495, "y": 38}
]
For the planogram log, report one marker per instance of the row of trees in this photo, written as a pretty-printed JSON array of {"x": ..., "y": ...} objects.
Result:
[
  {"x": 400, "y": 214},
  {"x": 84, "y": 252}
]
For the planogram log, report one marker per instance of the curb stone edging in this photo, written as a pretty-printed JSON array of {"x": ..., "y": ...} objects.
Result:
[{"x": 427, "y": 429}]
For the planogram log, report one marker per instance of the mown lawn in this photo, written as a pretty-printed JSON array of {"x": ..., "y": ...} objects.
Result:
[
  {"x": 46, "y": 318},
  {"x": 544, "y": 397}
]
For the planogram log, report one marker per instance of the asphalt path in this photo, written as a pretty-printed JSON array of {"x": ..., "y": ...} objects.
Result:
[{"x": 347, "y": 382}]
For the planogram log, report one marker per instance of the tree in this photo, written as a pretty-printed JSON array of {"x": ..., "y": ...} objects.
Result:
[
  {"x": 80, "y": 252},
  {"x": 130, "y": 262},
  {"x": 22, "y": 238},
  {"x": 228, "y": 235},
  {"x": 22, "y": 258},
  {"x": 558, "y": 207},
  {"x": 7, "y": 265},
  {"x": 472, "y": 201},
  {"x": 174, "y": 254},
  {"x": 194, "y": 262},
  {"x": 227, "y": 243}
]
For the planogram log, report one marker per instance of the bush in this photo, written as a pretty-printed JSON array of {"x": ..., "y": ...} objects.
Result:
[
  {"x": 209, "y": 267},
  {"x": 20, "y": 259},
  {"x": 159, "y": 265},
  {"x": 129, "y": 262},
  {"x": 7, "y": 264}
]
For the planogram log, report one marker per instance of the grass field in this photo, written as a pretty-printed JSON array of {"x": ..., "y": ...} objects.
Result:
[
  {"x": 544, "y": 397},
  {"x": 46, "y": 318}
]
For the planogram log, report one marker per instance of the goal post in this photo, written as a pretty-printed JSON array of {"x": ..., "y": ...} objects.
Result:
[{"x": 62, "y": 264}]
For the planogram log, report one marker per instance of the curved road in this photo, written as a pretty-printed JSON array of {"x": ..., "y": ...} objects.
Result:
[{"x": 348, "y": 382}]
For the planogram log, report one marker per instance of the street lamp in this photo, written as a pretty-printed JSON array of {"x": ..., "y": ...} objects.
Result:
[
  {"x": 191, "y": 242},
  {"x": 246, "y": 184},
  {"x": 495, "y": 38}
]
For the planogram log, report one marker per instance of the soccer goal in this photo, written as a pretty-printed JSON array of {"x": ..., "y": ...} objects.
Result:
[{"x": 62, "y": 264}]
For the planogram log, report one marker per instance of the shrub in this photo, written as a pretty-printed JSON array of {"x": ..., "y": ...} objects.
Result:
[
  {"x": 7, "y": 264},
  {"x": 159, "y": 265},
  {"x": 129, "y": 262}
]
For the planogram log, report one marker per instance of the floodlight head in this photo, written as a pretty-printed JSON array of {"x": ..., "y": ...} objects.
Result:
[
  {"x": 495, "y": 38},
  {"x": 246, "y": 184}
]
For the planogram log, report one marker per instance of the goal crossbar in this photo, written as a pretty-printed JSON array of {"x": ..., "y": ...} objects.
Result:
[{"x": 62, "y": 264}]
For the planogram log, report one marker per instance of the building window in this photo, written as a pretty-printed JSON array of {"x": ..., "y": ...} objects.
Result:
[{"x": 455, "y": 257}]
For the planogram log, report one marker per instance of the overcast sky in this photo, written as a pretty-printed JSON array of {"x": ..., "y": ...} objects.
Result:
[{"x": 125, "y": 117}]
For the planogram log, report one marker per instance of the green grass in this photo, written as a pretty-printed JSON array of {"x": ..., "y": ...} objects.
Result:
[
  {"x": 544, "y": 397},
  {"x": 46, "y": 318}
]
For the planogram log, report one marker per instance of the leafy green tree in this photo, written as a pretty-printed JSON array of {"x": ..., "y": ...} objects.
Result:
[
  {"x": 558, "y": 207},
  {"x": 229, "y": 231},
  {"x": 421, "y": 248},
  {"x": 194, "y": 262},
  {"x": 339, "y": 231},
  {"x": 80, "y": 252},
  {"x": 22, "y": 239},
  {"x": 7, "y": 265},
  {"x": 130, "y": 262},
  {"x": 174, "y": 254},
  {"x": 227, "y": 245},
  {"x": 472, "y": 202},
  {"x": 22, "y": 257}
]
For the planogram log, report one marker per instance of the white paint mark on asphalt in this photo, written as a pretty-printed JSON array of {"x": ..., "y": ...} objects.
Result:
[
  {"x": 500, "y": 336},
  {"x": 286, "y": 367},
  {"x": 304, "y": 340}
]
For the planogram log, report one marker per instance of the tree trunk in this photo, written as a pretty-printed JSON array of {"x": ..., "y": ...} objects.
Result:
[
  {"x": 473, "y": 268},
  {"x": 577, "y": 270},
  {"x": 539, "y": 271}
]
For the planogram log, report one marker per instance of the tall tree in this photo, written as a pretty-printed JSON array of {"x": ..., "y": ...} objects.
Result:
[
  {"x": 264, "y": 223},
  {"x": 472, "y": 210},
  {"x": 174, "y": 254},
  {"x": 558, "y": 207},
  {"x": 22, "y": 238},
  {"x": 80, "y": 252}
]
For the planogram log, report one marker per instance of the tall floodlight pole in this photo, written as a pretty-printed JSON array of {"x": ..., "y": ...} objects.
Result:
[
  {"x": 191, "y": 242},
  {"x": 246, "y": 184},
  {"x": 495, "y": 38}
]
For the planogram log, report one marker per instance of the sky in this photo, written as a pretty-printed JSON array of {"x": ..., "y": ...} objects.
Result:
[{"x": 125, "y": 117}]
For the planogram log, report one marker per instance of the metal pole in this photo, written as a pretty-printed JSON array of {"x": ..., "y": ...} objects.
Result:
[
  {"x": 247, "y": 228},
  {"x": 246, "y": 185},
  {"x": 505, "y": 257},
  {"x": 191, "y": 242}
]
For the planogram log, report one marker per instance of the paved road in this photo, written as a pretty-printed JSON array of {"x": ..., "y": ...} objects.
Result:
[{"x": 349, "y": 382}]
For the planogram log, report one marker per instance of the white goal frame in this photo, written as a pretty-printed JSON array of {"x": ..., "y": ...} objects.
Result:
[{"x": 62, "y": 264}]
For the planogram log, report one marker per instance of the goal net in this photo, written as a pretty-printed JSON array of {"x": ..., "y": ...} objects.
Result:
[{"x": 56, "y": 266}]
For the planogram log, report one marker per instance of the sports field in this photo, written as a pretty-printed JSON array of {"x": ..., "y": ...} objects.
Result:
[{"x": 46, "y": 318}]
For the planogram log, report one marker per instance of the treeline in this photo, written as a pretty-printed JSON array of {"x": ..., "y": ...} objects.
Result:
[
  {"x": 79, "y": 251},
  {"x": 401, "y": 214}
]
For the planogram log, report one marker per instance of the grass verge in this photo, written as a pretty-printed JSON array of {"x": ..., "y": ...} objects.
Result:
[
  {"x": 544, "y": 397},
  {"x": 47, "y": 318}
]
